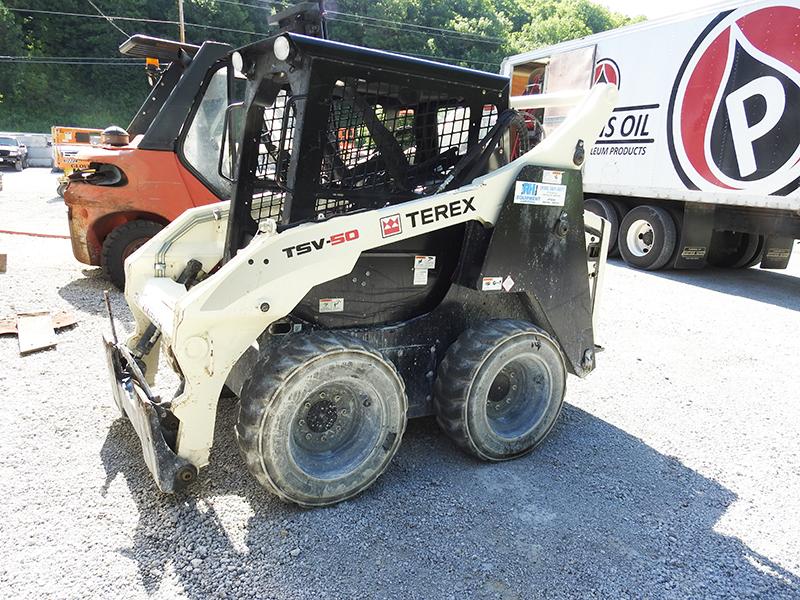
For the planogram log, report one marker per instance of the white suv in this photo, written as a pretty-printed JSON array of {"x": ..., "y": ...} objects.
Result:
[{"x": 13, "y": 153}]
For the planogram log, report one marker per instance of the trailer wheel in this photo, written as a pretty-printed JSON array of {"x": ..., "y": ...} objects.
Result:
[
  {"x": 604, "y": 208},
  {"x": 647, "y": 237},
  {"x": 121, "y": 243},
  {"x": 733, "y": 250},
  {"x": 321, "y": 418},
  {"x": 500, "y": 389},
  {"x": 757, "y": 254}
]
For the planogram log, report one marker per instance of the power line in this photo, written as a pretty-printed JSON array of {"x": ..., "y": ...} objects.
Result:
[
  {"x": 393, "y": 28},
  {"x": 70, "y": 62},
  {"x": 396, "y": 25},
  {"x": 117, "y": 27},
  {"x": 453, "y": 59},
  {"x": 347, "y": 19},
  {"x": 401, "y": 24},
  {"x": 74, "y": 58},
  {"x": 134, "y": 19}
]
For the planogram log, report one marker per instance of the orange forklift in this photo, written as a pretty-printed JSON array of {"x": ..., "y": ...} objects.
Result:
[
  {"x": 168, "y": 160},
  {"x": 138, "y": 180}
]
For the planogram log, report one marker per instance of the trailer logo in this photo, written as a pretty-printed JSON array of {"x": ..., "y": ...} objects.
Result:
[
  {"x": 606, "y": 71},
  {"x": 743, "y": 134},
  {"x": 391, "y": 226}
]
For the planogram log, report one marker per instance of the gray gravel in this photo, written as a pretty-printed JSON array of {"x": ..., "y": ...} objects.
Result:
[{"x": 673, "y": 472}]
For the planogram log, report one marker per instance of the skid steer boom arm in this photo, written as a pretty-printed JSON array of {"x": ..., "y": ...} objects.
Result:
[{"x": 206, "y": 329}]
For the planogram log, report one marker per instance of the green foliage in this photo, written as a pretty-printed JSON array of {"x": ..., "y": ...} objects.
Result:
[{"x": 33, "y": 97}]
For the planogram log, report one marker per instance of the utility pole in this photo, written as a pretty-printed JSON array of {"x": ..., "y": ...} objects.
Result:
[{"x": 180, "y": 21}]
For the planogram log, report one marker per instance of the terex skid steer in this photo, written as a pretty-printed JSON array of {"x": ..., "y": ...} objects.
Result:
[{"x": 392, "y": 250}]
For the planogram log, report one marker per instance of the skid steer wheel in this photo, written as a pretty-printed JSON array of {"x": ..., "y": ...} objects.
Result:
[
  {"x": 500, "y": 389},
  {"x": 647, "y": 237},
  {"x": 321, "y": 421},
  {"x": 121, "y": 243}
]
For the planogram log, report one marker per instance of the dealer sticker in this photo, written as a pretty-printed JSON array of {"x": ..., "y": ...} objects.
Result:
[
  {"x": 329, "y": 305},
  {"x": 492, "y": 284},
  {"x": 541, "y": 194}
]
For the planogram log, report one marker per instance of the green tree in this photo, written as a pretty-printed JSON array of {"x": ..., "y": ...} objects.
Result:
[{"x": 33, "y": 97}]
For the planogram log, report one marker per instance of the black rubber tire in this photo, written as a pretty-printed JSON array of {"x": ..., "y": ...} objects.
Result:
[
  {"x": 120, "y": 243},
  {"x": 606, "y": 209},
  {"x": 664, "y": 237},
  {"x": 477, "y": 364},
  {"x": 277, "y": 418},
  {"x": 18, "y": 165},
  {"x": 62, "y": 187},
  {"x": 732, "y": 250},
  {"x": 757, "y": 254}
]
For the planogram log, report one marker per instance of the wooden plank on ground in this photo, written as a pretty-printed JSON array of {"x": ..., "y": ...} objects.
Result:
[
  {"x": 3, "y": 262},
  {"x": 61, "y": 319},
  {"x": 35, "y": 331}
]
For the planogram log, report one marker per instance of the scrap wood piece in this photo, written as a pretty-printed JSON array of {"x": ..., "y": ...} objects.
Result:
[
  {"x": 61, "y": 319},
  {"x": 3, "y": 263},
  {"x": 35, "y": 331}
]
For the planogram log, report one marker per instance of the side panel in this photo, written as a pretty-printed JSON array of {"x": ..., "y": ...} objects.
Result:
[{"x": 538, "y": 252}]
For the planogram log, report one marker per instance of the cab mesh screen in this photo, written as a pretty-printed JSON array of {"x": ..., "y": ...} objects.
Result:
[{"x": 383, "y": 143}]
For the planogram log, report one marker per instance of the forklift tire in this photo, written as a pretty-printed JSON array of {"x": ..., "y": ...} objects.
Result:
[
  {"x": 500, "y": 389},
  {"x": 604, "y": 208},
  {"x": 321, "y": 418},
  {"x": 121, "y": 243},
  {"x": 647, "y": 237}
]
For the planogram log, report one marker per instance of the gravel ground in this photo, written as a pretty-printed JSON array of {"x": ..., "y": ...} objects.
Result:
[{"x": 674, "y": 470}]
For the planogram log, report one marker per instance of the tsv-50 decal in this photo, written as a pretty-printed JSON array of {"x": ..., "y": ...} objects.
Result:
[{"x": 319, "y": 244}]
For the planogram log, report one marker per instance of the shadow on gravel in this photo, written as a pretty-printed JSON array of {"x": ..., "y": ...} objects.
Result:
[
  {"x": 770, "y": 287},
  {"x": 594, "y": 511},
  {"x": 86, "y": 295}
]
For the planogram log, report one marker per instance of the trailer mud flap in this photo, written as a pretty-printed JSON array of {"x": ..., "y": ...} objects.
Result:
[
  {"x": 170, "y": 471},
  {"x": 777, "y": 252}
]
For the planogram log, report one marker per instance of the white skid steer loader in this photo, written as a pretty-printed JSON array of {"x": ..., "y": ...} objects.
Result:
[{"x": 392, "y": 249}]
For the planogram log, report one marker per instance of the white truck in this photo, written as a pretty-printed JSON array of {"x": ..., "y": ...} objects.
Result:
[{"x": 700, "y": 161}]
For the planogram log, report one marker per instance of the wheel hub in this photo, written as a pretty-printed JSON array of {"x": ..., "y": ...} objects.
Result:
[
  {"x": 640, "y": 237},
  {"x": 502, "y": 391},
  {"x": 517, "y": 396},
  {"x": 321, "y": 416},
  {"x": 327, "y": 419}
]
